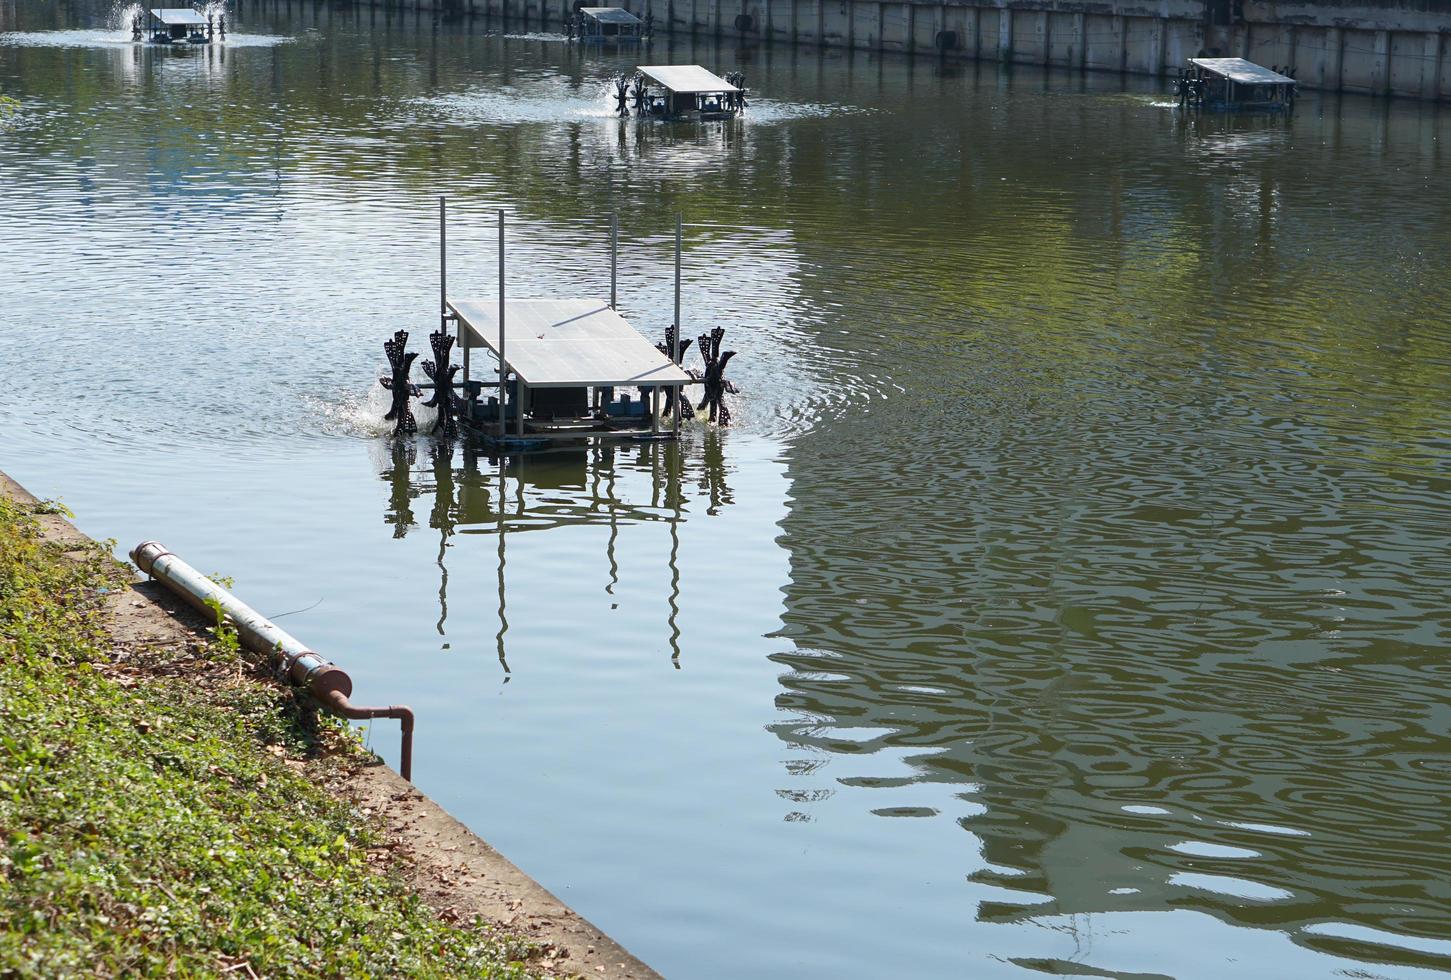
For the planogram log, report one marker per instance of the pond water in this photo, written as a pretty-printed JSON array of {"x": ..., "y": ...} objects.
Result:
[{"x": 1068, "y": 598}]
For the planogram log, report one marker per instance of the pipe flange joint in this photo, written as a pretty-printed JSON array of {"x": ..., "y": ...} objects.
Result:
[
  {"x": 325, "y": 680},
  {"x": 147, "y": 554}
]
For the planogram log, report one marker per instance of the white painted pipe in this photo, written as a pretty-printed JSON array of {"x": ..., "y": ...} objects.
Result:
[
  {"x": 324, "y": 681},
  {"x": 295, "y": 662}
]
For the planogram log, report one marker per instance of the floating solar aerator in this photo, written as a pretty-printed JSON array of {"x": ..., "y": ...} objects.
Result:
[
  {"x": 606, "y": 25},
  {"x": 569, "y": 369},
  {"x": 179, "y": 25},
  {"x": 1235, "y": 85},
  {"x": 679, "y": 92}
]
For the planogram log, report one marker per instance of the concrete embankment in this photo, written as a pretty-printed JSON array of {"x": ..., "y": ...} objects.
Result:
[
  {"x": 1394, "y": 48},
  {"x": 451, "y": 869}
]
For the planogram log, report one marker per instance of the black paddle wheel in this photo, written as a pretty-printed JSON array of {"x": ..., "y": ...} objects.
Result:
[
  {"x": 638, "y": 98},
  {"x": 737, "y": 99},
  {"x": 679, "y": 359},
  {"x": 622, "y": 96},
  {"x": 401, "y": 361},
  {"x": 441, "y": 373},
  {"x": 716, "y": 384}
]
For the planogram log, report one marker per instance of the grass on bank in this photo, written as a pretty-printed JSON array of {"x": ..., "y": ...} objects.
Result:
[{"x": 149, "y": 825}]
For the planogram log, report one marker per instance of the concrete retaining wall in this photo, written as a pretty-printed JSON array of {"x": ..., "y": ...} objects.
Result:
[{"x": 1395, "y": 48}]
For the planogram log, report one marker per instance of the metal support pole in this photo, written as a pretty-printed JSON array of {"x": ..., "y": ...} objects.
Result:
[
  {"x": 442, "y": 262},
  {"x": 468, "y": 378},
  {"x": 503, "y": 387},
  {"x": 675, "y": 344},
  {"x": 443, "y": 313},
  {"x": 614, "y": 255}
]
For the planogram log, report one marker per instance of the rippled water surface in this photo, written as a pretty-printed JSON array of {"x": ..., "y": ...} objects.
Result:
[{"x": 1069, "y": 598}]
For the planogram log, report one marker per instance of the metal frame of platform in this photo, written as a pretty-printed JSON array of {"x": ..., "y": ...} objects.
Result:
[{"x": 560, "y": 344}]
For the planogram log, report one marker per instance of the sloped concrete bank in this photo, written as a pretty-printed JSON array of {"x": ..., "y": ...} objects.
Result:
[
  {"x": 449, "y": 867},
  {"x": 1395, "y": 48}
]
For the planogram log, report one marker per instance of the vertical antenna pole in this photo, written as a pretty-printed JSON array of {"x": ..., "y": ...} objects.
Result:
[
  {"x": 503, "y": 390},
  {"x": 675, "y": 337},
  {"x": 614, "y": 255}
]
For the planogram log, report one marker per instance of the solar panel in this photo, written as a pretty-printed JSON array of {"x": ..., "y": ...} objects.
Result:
[
  {"x": 180, "y": 16},
  {"x": 610, "y": 15},
  {"x": 1242, "y": 72},
  {"x": 687, "y": 79},
  {"x": 566, "y": 343}
]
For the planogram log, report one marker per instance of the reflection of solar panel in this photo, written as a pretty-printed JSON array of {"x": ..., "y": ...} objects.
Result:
[
  {"x": 563, "y": 343},
  {"x": 610, "y": 15}
]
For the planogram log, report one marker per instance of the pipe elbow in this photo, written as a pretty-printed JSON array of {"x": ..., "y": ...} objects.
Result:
[
  {"x": 404, "y": 714},
  {"x": 337, "y": 702}
]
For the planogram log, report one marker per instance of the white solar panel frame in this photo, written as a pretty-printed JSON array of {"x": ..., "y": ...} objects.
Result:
[
  {"x": 566, "y": 343},
  {"x": 179, "y": 15},
  {"x": 687, "y": 79},
  {"x": 610, "y": 15},
  {"x": 1242, "y": 72}
]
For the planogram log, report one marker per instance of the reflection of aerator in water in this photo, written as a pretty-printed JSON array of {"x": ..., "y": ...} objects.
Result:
[{"x": 466, "y": 497}]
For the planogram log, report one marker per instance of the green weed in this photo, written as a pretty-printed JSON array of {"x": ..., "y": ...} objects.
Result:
[
  {"x": 224, "y": 635},
  {"x": 150, "y": 825},
  {"x": 53, "y": 507}
]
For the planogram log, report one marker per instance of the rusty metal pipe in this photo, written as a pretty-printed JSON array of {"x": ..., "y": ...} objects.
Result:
[
  {"x": 325, "y": 682},
  {"x": 338, "y": 703}
]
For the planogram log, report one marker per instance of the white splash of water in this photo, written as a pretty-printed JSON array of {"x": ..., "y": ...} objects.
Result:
[
  {"x": 604, "y": 102},
  {"x": 362, "y": 413},
  {"x": 123, "y": 16},
  {"x": 758, "y": 110},
  {"x": 514, "y": 106},
  {"x": 534, "y": 36}
]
